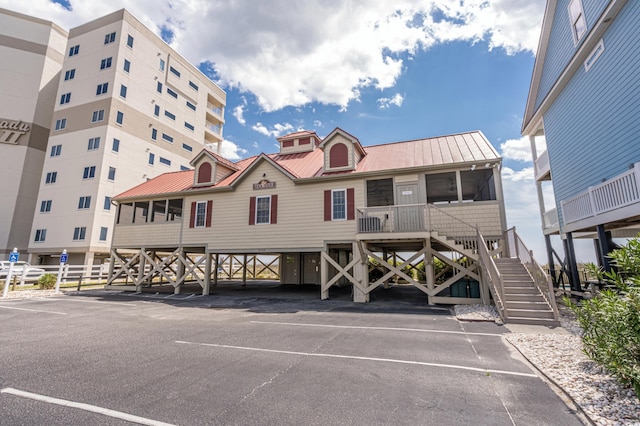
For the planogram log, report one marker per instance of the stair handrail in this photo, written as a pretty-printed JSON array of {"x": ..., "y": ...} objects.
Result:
[
  {"x": 541, "y": 280},
  {"x": 491, "y": 276},
  {"x": 445, "y": 223}
]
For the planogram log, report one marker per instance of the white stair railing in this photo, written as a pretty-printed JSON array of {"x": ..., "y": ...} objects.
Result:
[{"x": 491, "y": 276}]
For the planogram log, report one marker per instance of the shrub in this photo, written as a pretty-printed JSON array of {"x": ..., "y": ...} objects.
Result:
[
  {"x": 47, "y": 281},
  {"x": 611, "y": 319}
]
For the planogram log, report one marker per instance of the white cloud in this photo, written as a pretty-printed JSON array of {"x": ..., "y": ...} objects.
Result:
[
  {"x": 238, "y": 113},
  {"x": 517, "y": 149},
  {"x": 291, "y": 54},
  {"x": 384, "y": 103},
  {"x": 231, "y": 151},
  {"x": 277, "y": 129}
]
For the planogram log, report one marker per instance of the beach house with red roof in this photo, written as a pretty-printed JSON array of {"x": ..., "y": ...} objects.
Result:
[{"x": 330, "y": 209}]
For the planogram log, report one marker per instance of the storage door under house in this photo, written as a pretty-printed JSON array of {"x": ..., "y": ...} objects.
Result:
[{"x": 311, "y": 265}]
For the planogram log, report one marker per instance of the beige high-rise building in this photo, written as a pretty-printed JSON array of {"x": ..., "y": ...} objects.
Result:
[
  {"x": 127, "y": 108},
  {"x": 32, "y": 52}
]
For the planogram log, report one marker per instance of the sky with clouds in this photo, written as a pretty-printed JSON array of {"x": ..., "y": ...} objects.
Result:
[{"x": 383, "y": 71}]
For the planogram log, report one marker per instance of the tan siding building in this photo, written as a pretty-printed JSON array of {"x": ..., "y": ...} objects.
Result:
[{"x": 329, "y": 208}]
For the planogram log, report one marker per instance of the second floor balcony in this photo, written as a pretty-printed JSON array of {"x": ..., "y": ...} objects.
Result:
[{"x": 542, "y": 167}]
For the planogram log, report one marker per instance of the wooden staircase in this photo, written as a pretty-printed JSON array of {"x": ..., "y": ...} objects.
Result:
[{"x": 523, "y": 301}]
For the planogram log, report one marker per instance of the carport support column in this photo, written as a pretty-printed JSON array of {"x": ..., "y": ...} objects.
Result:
[
  {"x": 180, "y": 271},
  {"x": 207, "y": 275},
  {"x": 324, "y": 277},
  {"x": 215, "y": 276},
  {"x": 361, "y": 274},
  {"x": 244, "y": 270},
  {"x": 429, "y": 275},
  {"x": 141, "y": 268}
]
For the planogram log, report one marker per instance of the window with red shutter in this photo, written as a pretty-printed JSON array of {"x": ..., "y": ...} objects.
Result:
[
  {"x": 192, "y": 218},
  {"x": 274, "y": 209},
  {"x": 252, "y": 211}
]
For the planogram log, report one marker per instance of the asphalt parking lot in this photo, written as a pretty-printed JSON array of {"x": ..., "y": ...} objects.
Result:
[{"x": 111, "y": 358}]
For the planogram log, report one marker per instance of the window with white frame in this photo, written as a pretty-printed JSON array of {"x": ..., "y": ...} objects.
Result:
[
  {"x": 109, "y": 38},
  {"x": 115, "y": 145},
  {"x": 41, "y": 235},
  {"x": 123, "y": 91},
  {"x": 84, "y": 202},
  {"x": 94, "y": 143},
  {"x": 65, "y": 98},
  {"x": 56, "y": 150},
  {"x": 119, "y": 117},
  {"x": 338, "y": 204},
  {"x": 201, "y": 214},
  {"x": 594, "y": 55},
  {"x": 130, "y": 41},
  {"x": 107, "y": 203},
  {"x": 61, "y": 123},
  {"x": 106, "y": 63},
  {"x": 102, "y": 88},
  {"x": 70, "y": 74},
  {"x": 45, "y": 206},
  {"x": 74, "y": 50},
  {"x": 263, "y": 209},
  {"x": 578, "y": 21},
  {"x": 103, "y": 233},
  {"x": 79, "y": 233},
  {"x": 112, "y": 173},
  {"x": 97, "y": 116},
  {"x": 127, "y": 65},
  {"x": 51, "y": 177},
  {"x": 89, "y": 172}
]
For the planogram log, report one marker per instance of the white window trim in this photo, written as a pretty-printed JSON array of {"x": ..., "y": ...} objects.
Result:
[
  {"x": 574, "y": 34},
  {"x": 268, "y": 222},
  {"x": 204, "y": 216},
  {"x": 345, "y": 204},
  {"x": 593, "y": 56}
]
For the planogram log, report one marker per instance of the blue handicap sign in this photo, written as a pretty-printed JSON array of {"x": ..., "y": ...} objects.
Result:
[
  {"x": 14, "y": 256},
  {"x": 64, "y": 257}
]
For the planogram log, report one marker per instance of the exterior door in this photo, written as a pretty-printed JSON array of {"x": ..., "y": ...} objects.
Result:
[
  {"x": 311, "y": 266},
  {"x": 408, "y": 217}
]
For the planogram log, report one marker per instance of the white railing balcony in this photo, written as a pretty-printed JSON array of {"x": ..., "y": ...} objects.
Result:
[
  {"x": 620, "y": 191},
  {"x": 542, "y": 167},
  {"x": 217, "y": 110},
  {"x": 550, "y": 219},
  {"x": 406, "y": 218},
  {"x": 412, "y": 218},
  {"x": 214, "y": 128}
]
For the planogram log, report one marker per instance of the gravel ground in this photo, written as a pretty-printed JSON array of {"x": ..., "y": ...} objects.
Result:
[{"x": 558, "y": 355}]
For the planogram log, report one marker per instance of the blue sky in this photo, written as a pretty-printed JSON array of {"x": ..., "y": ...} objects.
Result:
[{"x": 383, "y": 71}]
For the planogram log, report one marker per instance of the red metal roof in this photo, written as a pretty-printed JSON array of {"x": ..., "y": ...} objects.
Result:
[
  {"x": 163, "y": 184},
  {"x": 466, "y": 147}
]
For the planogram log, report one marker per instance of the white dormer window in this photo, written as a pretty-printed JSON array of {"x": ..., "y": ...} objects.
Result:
[{"x": 578, "y": 21}]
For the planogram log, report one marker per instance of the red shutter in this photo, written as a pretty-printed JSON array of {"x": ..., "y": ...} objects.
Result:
[
  {"x": 252, "y": 211},
  {"x": 192, "y": 220},
  {"x": 209, "y": 209},
  {"x": 327, "y": 205},
  {"x": 274, "y": 209},
  {"x": 351, "y": 209}
]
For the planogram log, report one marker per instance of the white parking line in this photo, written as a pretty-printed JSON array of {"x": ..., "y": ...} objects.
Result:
[
  {"x": 49, "y": 299},
  {"x": 85, "y": 407},
  {"x": 361, "y": 358},
  {"x": 355, "y": 327},
  {"x": 32, "y": 310}
]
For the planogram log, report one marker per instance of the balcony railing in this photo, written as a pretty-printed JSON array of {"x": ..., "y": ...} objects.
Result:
[
  {"x": 621, "y": 191},
  {"x": 412, "y": 218},
  {"x": 214, "y": 128},
  {"x": 542, "y": 167},
  {"x": 219, "y": 111},
  {"x": 550, "y": 219}
]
